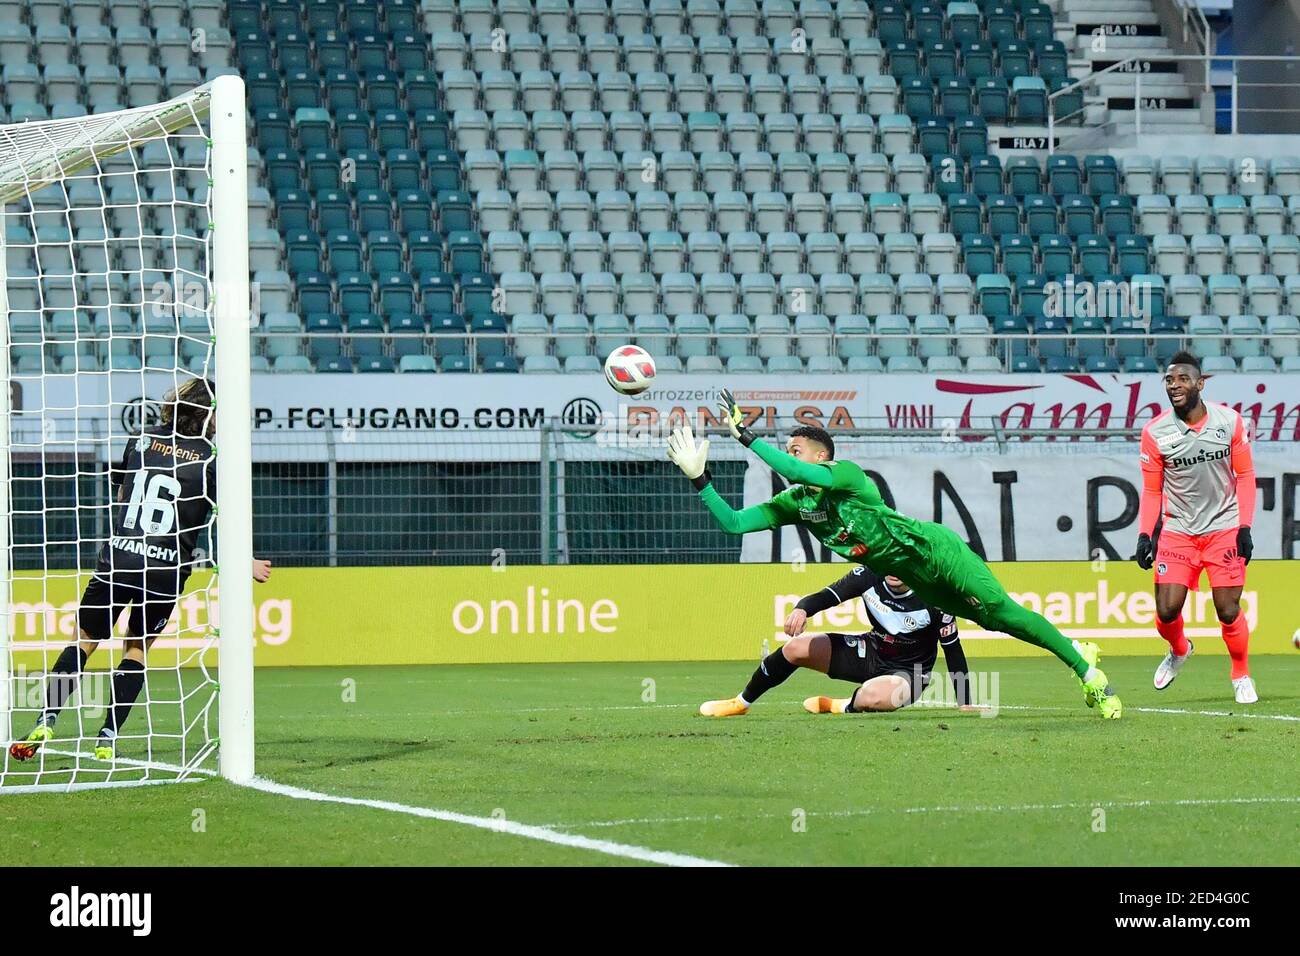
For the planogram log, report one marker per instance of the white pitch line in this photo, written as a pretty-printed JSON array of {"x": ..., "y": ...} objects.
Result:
[
  {"x": 385, "y": 715},
  {"x": 129, "y": 762},
  {"x": 1215, "y": 713},
  {"x": 1178, "y": 711},
  {"x": 977, "y": 808},
  {"x": 510, "y": 827},
  {"x": 541, "y": 679},
  {"x": 919, "y": 705},
  {"x": 191, "y": 774},
  {"x": 545, "y": 710},
  {"x": 78, "y": 787}
]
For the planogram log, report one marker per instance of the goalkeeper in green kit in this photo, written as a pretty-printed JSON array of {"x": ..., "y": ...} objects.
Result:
[{"x": 842, "y": 508}]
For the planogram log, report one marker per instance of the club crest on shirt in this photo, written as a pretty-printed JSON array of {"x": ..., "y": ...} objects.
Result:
[
  {"x": 1220, "y": 434},
  {"x": 892, "y": 620}
]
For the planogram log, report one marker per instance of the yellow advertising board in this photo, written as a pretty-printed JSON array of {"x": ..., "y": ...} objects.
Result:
[{"x": 445, "y": 615}]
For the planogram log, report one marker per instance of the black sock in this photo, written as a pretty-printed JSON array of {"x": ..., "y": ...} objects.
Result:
[
  {"x": 848, "y": 708},
  {"x": 61, "y": 681},
  {"x": 128, "y": 679},
  {"x": 773, "y": 671}
]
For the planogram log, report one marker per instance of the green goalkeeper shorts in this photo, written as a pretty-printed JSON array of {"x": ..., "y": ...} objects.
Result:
[{"x": 953, "y": 577}]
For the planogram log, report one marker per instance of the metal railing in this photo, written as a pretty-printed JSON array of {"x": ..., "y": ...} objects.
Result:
[
  {"x": 1196, "y": 29},
  {"x": 967, "y": 344},
  {"x": 550, "y": 493},
  {"x": 1136, "y": 66},
  {"x": 553, "y": 495}
]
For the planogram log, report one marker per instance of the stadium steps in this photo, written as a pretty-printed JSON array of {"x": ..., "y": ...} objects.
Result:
[{"x": 1139, "y": 15}]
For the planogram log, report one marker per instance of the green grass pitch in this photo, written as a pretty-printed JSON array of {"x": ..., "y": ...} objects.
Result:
[{"x": 577, "y": 749}]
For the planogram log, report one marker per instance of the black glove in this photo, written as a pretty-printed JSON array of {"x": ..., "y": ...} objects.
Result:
[
  {"x": 1245, "y": 546},
  {"x": 735, "y": 419},
  {"x": 1146, "y": 552}
]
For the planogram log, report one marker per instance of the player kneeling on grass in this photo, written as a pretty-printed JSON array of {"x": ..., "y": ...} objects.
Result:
[
  {"x": 892, "y": 662},
  {"x": 166, "y": 487},
  {"x": 843, "y": 509}
]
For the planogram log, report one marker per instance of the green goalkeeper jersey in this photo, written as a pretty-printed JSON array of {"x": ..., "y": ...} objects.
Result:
[{"x": 838, "y": 504}]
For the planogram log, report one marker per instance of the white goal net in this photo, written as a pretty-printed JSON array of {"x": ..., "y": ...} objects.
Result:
[{"x": 123, "y": 276}]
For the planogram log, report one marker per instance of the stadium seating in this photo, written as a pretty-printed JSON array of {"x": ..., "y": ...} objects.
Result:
[{"x": 682, "y": 174}]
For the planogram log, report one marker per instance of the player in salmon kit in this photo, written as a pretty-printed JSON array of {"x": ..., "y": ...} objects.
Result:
[{"x": 1199, "y": 481}]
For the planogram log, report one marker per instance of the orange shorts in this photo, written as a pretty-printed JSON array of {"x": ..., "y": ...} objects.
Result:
[{"x": 1181, "y": 557}]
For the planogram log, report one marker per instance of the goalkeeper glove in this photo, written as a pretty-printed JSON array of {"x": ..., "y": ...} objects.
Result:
[
  {"x": 1146, "y": 552},
  {"x": 735, "y": 419},
  {"x": 690, "y": 457},
  {"x": 1245, "y": 546}
]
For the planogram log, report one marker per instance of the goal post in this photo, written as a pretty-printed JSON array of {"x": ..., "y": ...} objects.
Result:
[
  {"x": 229, "y": 166},
  {"x": 124, "y": 272},
  {"x": 6, "y": 569}
]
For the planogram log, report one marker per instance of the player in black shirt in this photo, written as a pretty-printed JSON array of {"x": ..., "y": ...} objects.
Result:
[
  {"x": 891, "y": 663},
  {"x": 165, "y": 488}
]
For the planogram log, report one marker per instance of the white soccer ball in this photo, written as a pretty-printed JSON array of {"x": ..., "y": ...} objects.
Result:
[
  {"x": 629, "y": 369},
  {"x": 1295, "y": 639}
]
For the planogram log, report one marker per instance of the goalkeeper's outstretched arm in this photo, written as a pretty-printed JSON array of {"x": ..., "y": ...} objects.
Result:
[
  {"x": 816, "y": 474},
  {"x": 819, "y": 475},
  {"x": 757, "y": 518},
  {"x": 692, "y": 459}
]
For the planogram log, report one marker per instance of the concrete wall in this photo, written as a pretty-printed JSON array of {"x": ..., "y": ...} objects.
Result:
[
  {"x": 1260, "y": 147},
  {"x": 1268, "y": 28}
]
